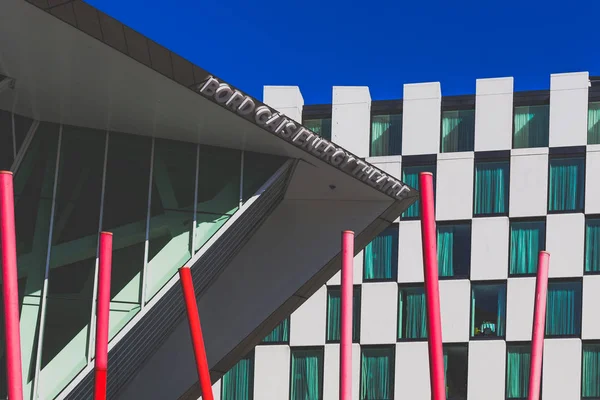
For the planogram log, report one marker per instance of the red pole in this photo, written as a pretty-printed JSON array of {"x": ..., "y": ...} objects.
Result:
[
  {"x": 102, "y": 314},
  {"x": 10, "y": 287},
  {"x": 189, "y": 296},
  {"x": 346, "y": 316},
  {"x": 432, "y": 290},
  {"x": 539, "y": 321}
]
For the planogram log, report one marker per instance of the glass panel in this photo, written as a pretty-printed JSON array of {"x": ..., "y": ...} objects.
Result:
[
  {"x": 334, "y": 316},
  {"x": 125, "y": 214},
  {"x": 377, "y": 373},
  {"x": 6, "y": 141},
  {"x": 410, "y": 176},
  {"x": 22, "y": 126},
  {"x": 412, "y": 314},
  {"x": 386, "y": 135},
  {"x": 458, "y": 130},
  {"x": 280, "y": 334},
  {"x": 563, "y": 310},
  {"x": 518, "y": 361},
  {"x": 456, "y": 364},
  {"x": 381, "y": 256},
  {"x": 594, "y": 123},
  {"x": 33, "y": 184},
  {"x": 238, "y": 382},
  {"x": 219, "y": 180},
  {"x": 527, "y": 239},
  {"x": 454, "y": 250},
  {"x": 307, "y": 374},
  {"x": 320, "y": 126},
  {"x": 590, "y": 379},
  {"x": 566, "y": 184},
  {"x": 258, "y": 168},
  {"x": 592, "y": 245},
  {"x": 531, "y": 126},
  {"x": 491, "y": 188},
  {"x": 488, "y": 310}
]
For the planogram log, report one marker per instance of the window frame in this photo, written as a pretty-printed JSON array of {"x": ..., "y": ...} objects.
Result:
[
  {"x": 580, "y": 322},
  {"x": 462, "y": 345},
  {"x": 528, "y": 99},
  {"x": 252, "y": 356},
  {"x": 356, "y": 289},
  {"x": 278, "y": 343},
  {"x": 484, "y": 157},
  {"x": 494, "y": 282},
  {"x": 593, "y": 342},
  {"x": 586, "y": 218},
  {"x": 390, "y": 347},
  {"x": 396, "y": 108},
  {"x": 307, "y": 348},
  {"x": 450, "y": 109},
  {"x": 520, "y": 343},
  {"x": 573, "y": 152},
  {"x": 468, "y": 222},
  {"x": 396, "y": 225},
  {"x": 543, "y": 219},
  {"x": 401, "y": 286},
  {"x": 419, "y": 161}
]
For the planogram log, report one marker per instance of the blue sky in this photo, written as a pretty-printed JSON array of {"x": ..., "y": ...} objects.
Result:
[{"x": 316, "y": 44}]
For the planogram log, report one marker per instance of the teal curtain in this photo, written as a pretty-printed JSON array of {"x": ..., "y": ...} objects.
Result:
[
  {"x": 527, "y": 239},
  {"x": 566, "y": 184},
  {"x": 531, "y": 126},
  {"x": 501, "y": 316},
  {"x": 563, "y": 310},
  {"x": 307, "y": 375},
  {"x": 590, "y": 381},
  {"x": 445, "y": 250},
  {"x": 592, "y": 245},
  {"x": 491, "y": 188},
  {"x": 280, "y": 334},
  {"x": 412, "y": 314},
  {"x": 377, "y": 374},
  {"x": 381, "y": 256},
  {"x": 518, "y": 362},
  {"x": 458, "y": 130},
  {"x": 446, "y": 373},
  {"x": 410, "y": 176},
  {"x": 454, "y": 250},
  {"x": 320, "y": 126},
  {"x": 238, "y": 382},
  {"x": 594, "y": 123},
  {"x": 334, "y": 314},
  {"x": 386, "y": 135}
]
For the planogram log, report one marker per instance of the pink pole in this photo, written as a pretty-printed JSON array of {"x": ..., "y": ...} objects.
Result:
[
  {"x": 346, "y": 316},
  {"x": 10, "y": 288},
  {"x": 539, "y": 321},
  {"x": 189, "y": 296},
  {"x": 102, "y": 315},
  {"x": 432, "y": 290}
]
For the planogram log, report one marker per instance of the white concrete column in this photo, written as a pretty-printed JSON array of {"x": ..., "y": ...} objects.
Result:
[
  {"x": 568, "y": 109},
  {"x": 286, "y": 99},
  {"x": 351, "y": 118},
  {"x": 421, "y": 118}
]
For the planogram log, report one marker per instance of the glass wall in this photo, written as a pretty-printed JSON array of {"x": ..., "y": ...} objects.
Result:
[
  {"x": 238, "y": 382},
  {"x": 518, "y": 362},
  {"x": 563, "y": 309},
  {"x": 377, "y": 373},
  {"x": 527, "y": 239},
  {"x": 410, "y": 176},
  {"x": 13, "y": 129},
  {"x": 280, "y": 334},
  {"x": 590, "y": 377},
  {"x": 334, "y": 314},
  {"x": 386, "y": 135},
  {"x": 412, "y": 314},
  {"x": 381, "y": 256},
  {"x": 531, "y": 126},
  {"x": 567, "y": 179},
  {"x": 454, "y": 250},
  {"x": 592, "y": 244},
  {"x": 306, "y": 381},
  {"x": 458, "y": 130},
  {"x": 456, "y": 370},
  {"x": 593, "y": 131},
  {"x": 491, "y": 188}
]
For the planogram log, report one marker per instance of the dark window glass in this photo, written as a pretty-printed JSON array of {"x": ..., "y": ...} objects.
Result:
[
  {"x": 6, "y": 141},
  {"x": 458, "y": 130},
  {"x": 454, "y": 250},
  {"x": 238, "y": 382},
  {"x": 527, "y": 239},
  {"x": 531, "y": 126},
  {"x": 590, "y": 377},
  {"x": 592, "y": 245},
  {"x": 518, "y": 362},
  {"x": 334, "y": 314},
  {"x": 456, "y": 366},
  {"x": 377, "y": 373},
  {"x": 412, "y": 314},
  {"x": 280, "y": 334},
  {"x": 320, "y": 126},
  {"x": 488, "y": 310},
  {"x": 258, "y": 168},
  {"x": 386, "y": 135},
  {"x": 410, "y": 176},
  {"x": 491, "y": 188}
]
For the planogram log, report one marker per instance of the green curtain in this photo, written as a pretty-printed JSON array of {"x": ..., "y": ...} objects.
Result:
[
  {"x": 412, "y": 314},
  {"x": 280, "y": 334},
  {"x": 377, "y": 374},
  {"x": 238, "y": 382},
  {"x": 566, "y": 184},
  {"x": 307, "y": 375},
  {"x": 501, "y": 318},
  {"x": 590, "y": 382},
  {"x": 563, "y": 310},
  {"x": 445, "y": 249},
  {"x": 458, "y": 130},
  {"x": 592, "y": 245},
  {"x": 594, "y": 123},
  {"x": 517, "y": 372},
  {"x": 410, "y": 176},
  {"x": 381, "y": 256},
  {"x": 320, "y": 126},
  {"x": 526, "y": 241},
  {"x": 334, "y": 314},
  {"x": 531, "y": 126},
  {"x": 446, "y": 372},
  {"x": 386, "y": 135},
  {"x": 491, "y": 188}
]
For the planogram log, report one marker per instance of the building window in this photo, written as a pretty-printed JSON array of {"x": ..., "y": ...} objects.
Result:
[
  {"x": 594, "y": 123},
  {"x": 410, "y": 176},
  {"x": 518, "y": 360},
  {"x": 306, "y": 374},
  {"x": 320, "y": 126},
  {"x": 456, "y": 367},
  {"x": 563, "y": 310},
  {"x": 527, "y": 239},
  {"x": 454, "y": 250},
  {"x": 280, "y": 334},
  {"x": 592, "y": 244},
  {"x": 567, "y": 178},
  {"x": 488, "y": 310},
  {"x": 590, "y": 379},
  {"x": 412, "y": 314},
  {"x": 334, "y": 314},
  {"x": 238, "y": 382},
  {"x": 531, "y": 126},
  {"x": 381, "y": 256},
  {"x": 491, "y": 188},
  {"x": 458, "y": 130},
  {"x": 386, "y": 135},
  {"x": 377, "y": 373}
]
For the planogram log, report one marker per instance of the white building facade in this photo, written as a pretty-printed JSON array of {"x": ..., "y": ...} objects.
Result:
[{"x": 515, "y": 173}]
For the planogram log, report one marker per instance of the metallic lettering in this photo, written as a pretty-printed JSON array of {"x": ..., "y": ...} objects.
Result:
[
  {"x": 235, "y": 100},
  {"x": 246, "y": 107},
  {"x": 210, "y": 86},
  {"x": 223, "y": 93},
  {"x": 338, "y": 157},
  {"x": 262, "y": 115}
]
